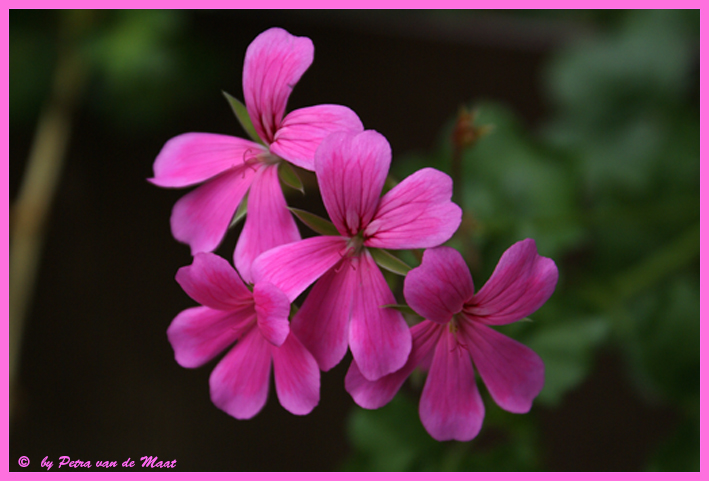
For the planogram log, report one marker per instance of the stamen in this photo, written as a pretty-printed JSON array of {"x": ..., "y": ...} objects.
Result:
[
  {"x": 348, "y": 251},
  {"x": 356, "y": 244},
  {"x": 250, "y": 160},
  {"x": 253, "y": 160},
  {"x": 453, "y": 328}
]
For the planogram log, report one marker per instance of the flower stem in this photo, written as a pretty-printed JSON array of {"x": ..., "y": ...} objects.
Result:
[{"x": 32, "y": 206}]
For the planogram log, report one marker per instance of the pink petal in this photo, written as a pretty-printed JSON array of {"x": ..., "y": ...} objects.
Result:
[
  {"x": 375, "y": 394},
  {"x": 302, "y": 131},
  {"x": 439, "y": 287},
  {"x": 351, "y": 170},
  {"x": 198, "y": 334},
  {"x": 272, "y": 310},
  {"x": 211, "y": 281},
  {"x": 293, "y": 267},
  {"x": 451, "y": 406},
  {"x": 322, "y": 322},
  {"x": 380, "y": 340},
  {"x": 297, "y": 377},
  {"x": 274, "y": 63},
  {"x": 239, "y": 383},
  {"x": 522, "y": 282},
  {"x": 194, "y": 157},
  {"x": 269, "y": 223},
  {"x": 416, "y": 214},
  {"x": 202, "y": 217},
  {"x": 512, "y": 372}
]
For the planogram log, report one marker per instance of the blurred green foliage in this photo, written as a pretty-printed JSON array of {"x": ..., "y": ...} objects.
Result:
[
  {"x": 609, "y": 188},
  {"x": 141, "y": 65}
]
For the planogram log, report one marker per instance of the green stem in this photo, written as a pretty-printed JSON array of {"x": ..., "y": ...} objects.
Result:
[
  {"x": 661, "y": 263},
  {"x": 32, "y": 206},
  {"x": 651, "y": 270}
]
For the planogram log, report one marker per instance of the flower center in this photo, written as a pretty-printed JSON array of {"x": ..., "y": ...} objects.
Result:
[
  {"x": 355, "y": 244},
  {"x": 454, "y": 327},
  {"x": 453, "y": 324},
  {"x": 254, "y": 157}
]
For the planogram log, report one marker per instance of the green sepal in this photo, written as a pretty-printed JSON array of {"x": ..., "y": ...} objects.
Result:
[
  {"x": 289, "y": 177},
  {"x": 242, "y": 116},
  {"x": 315, "y": 222},
  {"x": 241, "y": 211},
  {"x": 403, "y": 308},
  {"x": 389, "y": 262}
]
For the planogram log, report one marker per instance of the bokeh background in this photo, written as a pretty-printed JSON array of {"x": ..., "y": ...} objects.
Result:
[{"x": 593, "y": 151}]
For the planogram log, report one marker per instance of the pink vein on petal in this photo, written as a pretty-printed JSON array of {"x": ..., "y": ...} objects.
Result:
[
  {"x": 303, "y": 130},
  {"x": 512, "y": 372},
  {"x": 297, "y": 376},
  {"x": 293, "y": 267},
  {"x": 198, "y": 334},
  {"x": 322, "y": 322},
  {"x": 239, "y": 383},
  {"x": 273, "y": 64},
  {"x": 416, "y": 214},
  {"x": 272, "y": 311},
  {"x": 202, "y": 217},
  {"x": 380, "y": 340},
  {"x": 451, "y": 407},
  {"x": 192, "y": 158},
  {"x": 351, "y": 170},
  {"x": 211, "y": 281},
  {"x": 440, "y": 286},
  {"x": 268, "y": 224},
  {"x": 375, "y": 394},
  {"x": 521, "y": 283}
]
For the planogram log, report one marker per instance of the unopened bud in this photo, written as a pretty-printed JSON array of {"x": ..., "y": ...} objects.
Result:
[{"x": 466, "y": 133}]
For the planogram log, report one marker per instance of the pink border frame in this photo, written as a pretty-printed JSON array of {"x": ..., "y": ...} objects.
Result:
[
  {"x": 704, "y": 235},
  {"x": 704, "y": 238}
]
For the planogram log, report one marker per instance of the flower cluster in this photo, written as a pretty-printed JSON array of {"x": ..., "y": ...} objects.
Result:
[{"x": 248, "y": 310}]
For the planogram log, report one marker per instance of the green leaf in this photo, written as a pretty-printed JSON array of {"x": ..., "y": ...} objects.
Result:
[
  {"x": 403, "y": 308},
  {"x": 241, "y": 211},
  {"x": 389, "y": 262},
  {"x": 661, "y": 340},
  {"x": 289, "y": 177},
  {"x": 242, "y": 115},
  {"x": 315, "y": 222}
]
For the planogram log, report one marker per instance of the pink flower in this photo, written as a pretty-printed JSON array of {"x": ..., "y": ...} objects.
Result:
[
  {"x": 258, "y": 322},
  {"x": 456, "y": 331},
  {"x": 228, "y": 166},
  {"x": 344, "y": 306}
]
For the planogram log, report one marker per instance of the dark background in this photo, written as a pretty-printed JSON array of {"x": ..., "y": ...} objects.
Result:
[{"x": 97, "y": 378}]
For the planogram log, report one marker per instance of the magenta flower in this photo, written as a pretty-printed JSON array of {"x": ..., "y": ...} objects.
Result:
[
  {"x": 258, "y": 322},
  {"x": 456, "y": 331},
  {"x": 344, "y": 306},
  {"x": 228, "y": 166}
]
